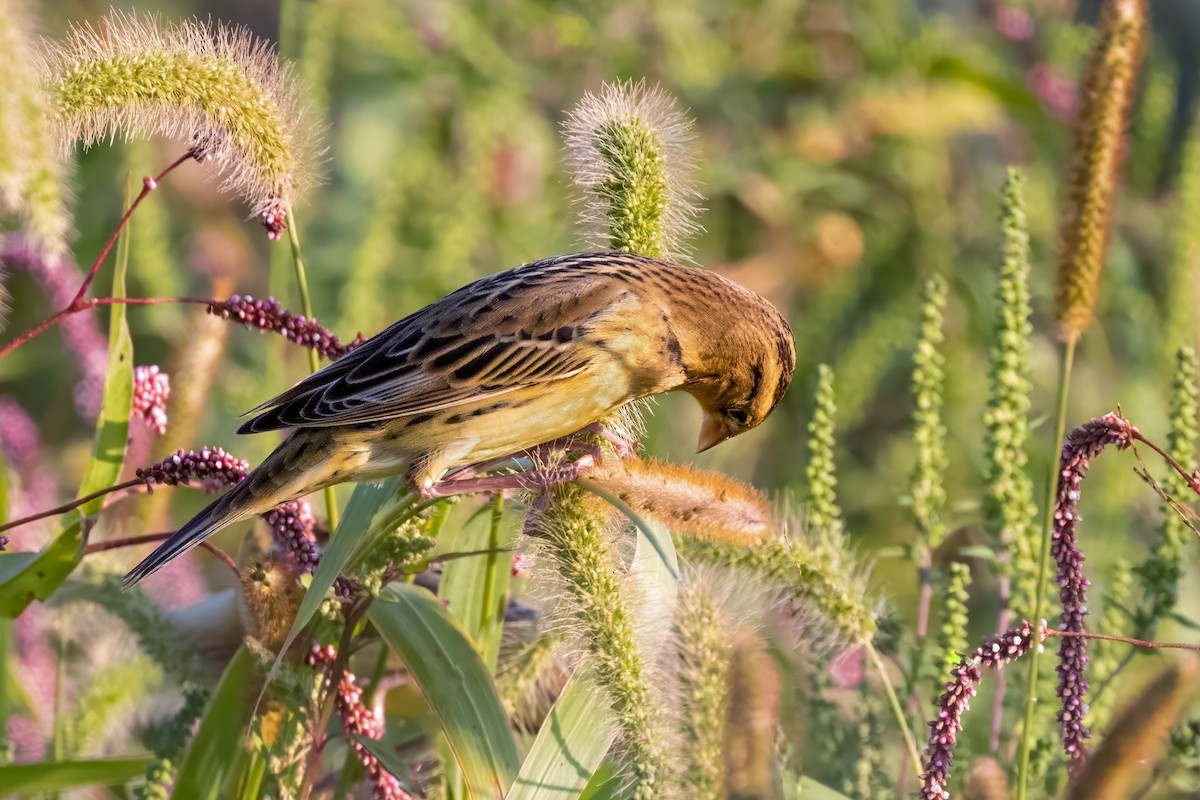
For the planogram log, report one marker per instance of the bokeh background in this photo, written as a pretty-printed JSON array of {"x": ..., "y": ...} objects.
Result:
[{"x": 846, "y": 151}]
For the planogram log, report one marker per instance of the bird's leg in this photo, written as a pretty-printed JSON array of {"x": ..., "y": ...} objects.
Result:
[{"x": 531, "y": 479}]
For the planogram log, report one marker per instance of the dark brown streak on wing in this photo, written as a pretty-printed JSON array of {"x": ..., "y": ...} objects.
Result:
[{"x": 506, "y": 332}]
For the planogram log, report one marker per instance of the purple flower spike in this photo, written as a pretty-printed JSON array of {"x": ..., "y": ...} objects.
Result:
[
  {"x": 994, "y": 653},
  {"x": 293, "y": 523},
  {"x": 151, "y": 388},
  {"x": 269, "y": 315},
  {"x": 359, "y": 720},
  {"x": 1083, "y": 444},
  {"x": 214, "y": 466}
]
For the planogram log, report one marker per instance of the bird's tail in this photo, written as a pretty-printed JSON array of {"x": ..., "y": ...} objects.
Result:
[{"x": 301, "y": 465}]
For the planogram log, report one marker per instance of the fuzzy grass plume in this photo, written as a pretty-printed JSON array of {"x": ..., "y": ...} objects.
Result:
[
  {"x": 217, "y": 87},
  {"x": 580, "y": 542},
  {"x": 1097, "y": 150},
  {"x": 31, "y": 172},
  {"x": 829, "y": 586},
  {"x": 689, "y": 500},
  {"x": 704, "y": 654},
  {"x": 628, "y": 147}
]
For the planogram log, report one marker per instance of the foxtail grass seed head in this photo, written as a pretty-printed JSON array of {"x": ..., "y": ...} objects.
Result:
[
  {"x": 151, "y": 388},
  {"x": 579, "y": 540},
  {"x": 994, "y": 653},
  {"x": 689, "y": 500},
  {"x": 217, "y": 87},
  {"x": 704, "y": 651},
  {"x": 927, "y": 485},
  {"x": 1096, "y": 153},
  {"x": 752, "y": 719},
  {"x": 1009, "y": 510},
  {"x": 1082, "y": 446},
  {"x": 824, "y": 514},
  {"x": 1132, "y": 746},
  {"x": 271, "y": 598},
  {"x": 32, "y": 181},
  {"x": 629, "y": 149},
  {"x": 823, "y": 589}
]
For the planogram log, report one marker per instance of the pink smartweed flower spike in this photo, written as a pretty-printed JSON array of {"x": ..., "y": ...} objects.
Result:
[
  {"x": 359, "y": 720},
  {"x": 151, "y": 388},
  {"x": 994, "y": 653},
  {"x": 214, "y": 466},
  {"x": 1083, "y": 444},
  {"x": 269, "y": 315}
]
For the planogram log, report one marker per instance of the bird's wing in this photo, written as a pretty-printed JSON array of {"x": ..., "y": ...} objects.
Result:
[{"x": 511, "y": 331}]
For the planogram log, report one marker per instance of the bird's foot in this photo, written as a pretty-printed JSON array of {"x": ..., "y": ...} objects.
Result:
[
  {"x": 620, "y": 445},
  {"x": 529, "y": 480}
]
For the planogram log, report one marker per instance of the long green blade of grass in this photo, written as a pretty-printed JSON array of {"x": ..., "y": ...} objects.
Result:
[
  {"x": 456, "y": 684},
  {"x": 23, "y": 780},
  {"x": 213, "y": 756},
  {"x": 25, "y": 577}
]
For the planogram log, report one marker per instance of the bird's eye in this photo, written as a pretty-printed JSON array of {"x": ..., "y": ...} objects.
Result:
[{"x": 739, "y": 415}]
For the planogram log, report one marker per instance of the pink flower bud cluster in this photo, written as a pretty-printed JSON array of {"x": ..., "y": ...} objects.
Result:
[
  {"x": 151, "y": 388},
  {"x": 994, "y": 653},
  {"x": 214, "y": 466},
  {"x": 4, "y": 540},
  {"x": 1083, "y": 444},
  {"x": 274, "y": 219},
  {"x": 293, "y": 524},
  {"x": 359, "y": 720},
  {"x": 269, "y": 315}
]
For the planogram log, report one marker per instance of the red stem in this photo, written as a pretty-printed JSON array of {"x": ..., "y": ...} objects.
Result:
[
  {"x": 79, "y": 304},
  {"x": 1139, "y": 642},
  {"x": 148, "y": 185},
  {"x": 149, "y": 538},
  {"x": 71, "y": 506}
]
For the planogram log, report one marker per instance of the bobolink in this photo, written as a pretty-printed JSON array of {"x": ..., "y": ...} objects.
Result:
[{"x": 511, "y": 361}]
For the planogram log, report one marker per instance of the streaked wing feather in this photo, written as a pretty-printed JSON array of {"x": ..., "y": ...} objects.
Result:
[{"x": 513, "y": 330}]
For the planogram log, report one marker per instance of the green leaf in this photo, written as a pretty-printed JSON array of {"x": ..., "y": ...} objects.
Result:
[
  {"x": 368, "y": 505},
  {"x": 569, "y": 748},
  {"x": 476, "y": 588},
  {"x": 811, "y": 790},
  {"x": 35, "y": 577},
  {"x": 23, "y": 780},
  {"x": 455, "y": 683},
  {"x": 572, "y": 743},
  {"x": 211, "y": 759}
]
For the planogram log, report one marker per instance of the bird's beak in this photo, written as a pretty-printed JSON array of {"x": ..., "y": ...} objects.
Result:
[{"x": 712, "y": 432}]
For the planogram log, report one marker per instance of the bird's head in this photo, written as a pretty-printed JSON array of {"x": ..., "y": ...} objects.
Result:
[{"x": 746, "y": 377}]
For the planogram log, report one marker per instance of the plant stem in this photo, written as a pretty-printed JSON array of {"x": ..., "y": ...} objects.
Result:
[
  {"x": 78, "y": 304},
  {"x": 893, "y": 699},
  {"x": 71, "y": 506},
  {"x": 133, "y": 541},
  {"x": 1060, "y": 432},
  {"x": 314, "y": 361}
]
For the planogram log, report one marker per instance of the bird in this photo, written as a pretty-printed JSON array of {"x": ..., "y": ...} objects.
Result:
[{"x": 512, "y": 361}]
